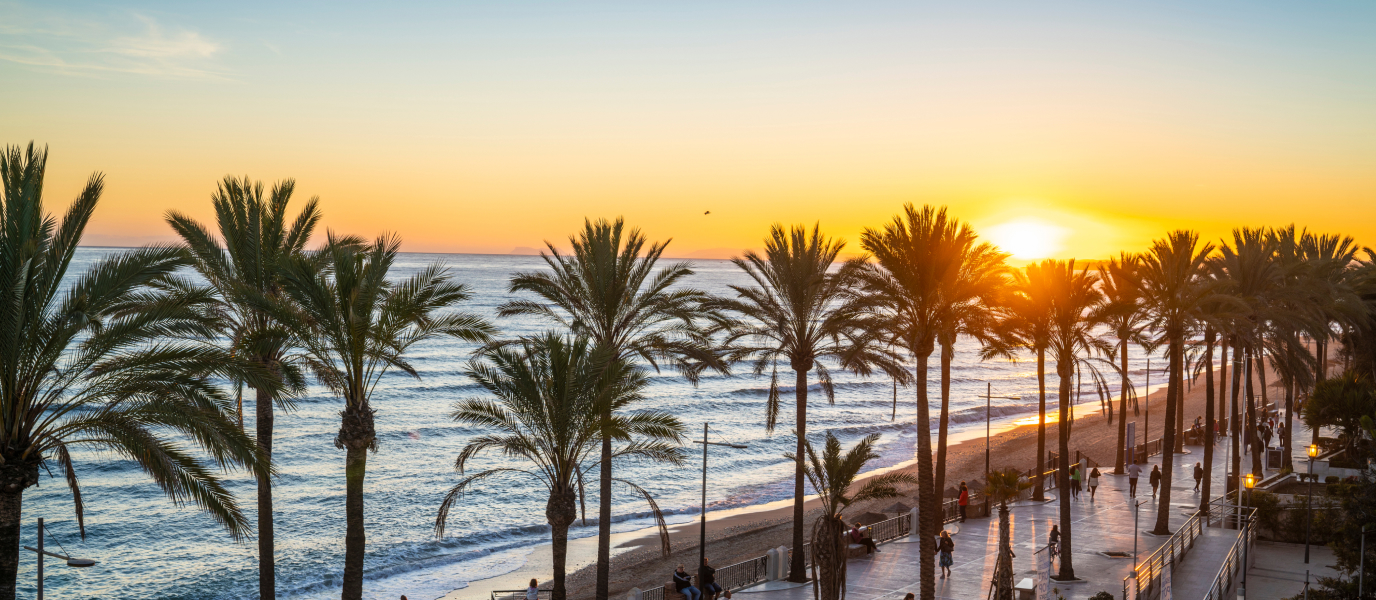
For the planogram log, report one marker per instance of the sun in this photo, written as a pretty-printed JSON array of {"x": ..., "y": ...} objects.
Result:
[{"x": 1027, "y": 239}]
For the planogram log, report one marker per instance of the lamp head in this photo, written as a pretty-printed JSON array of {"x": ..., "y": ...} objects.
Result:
[
  {"x": 1313, "y": 450},
  {"x": 1250, "y": 480}
]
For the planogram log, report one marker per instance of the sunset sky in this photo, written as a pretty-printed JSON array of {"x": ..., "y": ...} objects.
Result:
[{"x": 1056, "y": 129}]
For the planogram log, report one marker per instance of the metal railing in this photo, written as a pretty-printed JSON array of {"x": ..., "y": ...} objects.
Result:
[
  {"x": 519, "y": 594},
  {"x": 740, "y": 574},
  {"x": 655, "y": 594},
  {"x": 1233, "y": 564},
  {"x": 1148, "y": 573}
]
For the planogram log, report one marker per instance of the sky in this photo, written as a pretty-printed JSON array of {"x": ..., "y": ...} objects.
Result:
[{"x": 1057, "y": 129}]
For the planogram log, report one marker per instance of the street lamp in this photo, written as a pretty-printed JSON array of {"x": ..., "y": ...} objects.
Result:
[
  {"x": 1309, "y": 500},
  {"x": 71, "y": 562},
  {"x": 702, "y": 530},
  {"x": 988, "y": 394},
  {"x": 1250, "y": 480},
  {"x": 1136, "y": 533}
]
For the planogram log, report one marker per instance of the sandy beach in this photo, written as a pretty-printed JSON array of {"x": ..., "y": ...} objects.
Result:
[{"x": 743, "y": 533}]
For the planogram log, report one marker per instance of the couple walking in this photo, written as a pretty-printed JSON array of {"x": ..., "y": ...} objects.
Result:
[{"x": 1134, "y": 471}]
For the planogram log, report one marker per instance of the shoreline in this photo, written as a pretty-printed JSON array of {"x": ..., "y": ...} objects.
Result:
[{"x": 745, "y": 532}]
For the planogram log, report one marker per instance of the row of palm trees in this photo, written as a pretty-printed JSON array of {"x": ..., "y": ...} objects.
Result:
[{"x": 134, "y": 350}]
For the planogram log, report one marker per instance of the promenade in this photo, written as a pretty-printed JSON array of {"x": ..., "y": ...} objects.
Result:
[{"x": 1104, "y": 524}]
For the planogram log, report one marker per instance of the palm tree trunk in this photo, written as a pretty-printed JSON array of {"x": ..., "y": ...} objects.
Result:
[
  {"x": 1222, "y": 376},
  {"x": 1040, "y": 494},
  {"x": 1208, "y": 417},
  {"x": 797, "y": 569},
  {"x": 267, "y": 563},
  {"x": 830, "y": 556},
  {"x": 560, "y": 511},
  {"x": 1261, "y": 380},
  {"x": 1163, "y": 512},
  {"x": 356, "y": 435},
  {"x": 1003, "y": 568},
  {"x": 1251, "y": 429},
  {"x": 1235, "y": 416},
  {"x": 1179, "y": 447},
  {"x": 928, "y": 502},
  {"x": 604, "y": 517},
  {"x": 939, "y": 476},
  {"x": 10, "y": 505},
  {"x": 1285, "y": 443},
  {"x": 1063, "y": 369},
  {"x": 1119, "y": 464}
]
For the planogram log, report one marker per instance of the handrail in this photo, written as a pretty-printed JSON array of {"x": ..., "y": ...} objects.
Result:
[
  {"x": 1222, "y": 586},
  {"x": 1148, "y": 573},
  {"x": 519, "y": 594}
]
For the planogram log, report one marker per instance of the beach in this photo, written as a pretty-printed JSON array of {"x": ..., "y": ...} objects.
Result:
[{"x": 743, "y": 533}]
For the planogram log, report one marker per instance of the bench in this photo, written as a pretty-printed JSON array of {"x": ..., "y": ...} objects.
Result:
[
  {"x": 854, "y": 551},
  {"x": 1026, "y": 589}
]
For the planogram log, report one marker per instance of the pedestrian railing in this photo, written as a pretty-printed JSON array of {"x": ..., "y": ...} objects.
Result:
[
  {"x": 1233, "y": 564},
  {"x": 889, "y": 529},
  {"x": 741, "y": 574},
  {"x": 1148, "y": 573},
  {"x": 519, "y": 594},
  {"x": 655, "y": 594}
]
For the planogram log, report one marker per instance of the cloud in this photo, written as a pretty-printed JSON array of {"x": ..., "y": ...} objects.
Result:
[{"x": 121, "y": 43}]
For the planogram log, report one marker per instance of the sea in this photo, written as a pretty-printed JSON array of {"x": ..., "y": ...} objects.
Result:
[{"x": 148, "y": 547}]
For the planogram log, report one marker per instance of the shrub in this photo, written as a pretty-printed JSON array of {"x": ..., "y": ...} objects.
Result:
[
  {"x": 1331, "y": 479},
  {"x": 1102, "y": 596}
]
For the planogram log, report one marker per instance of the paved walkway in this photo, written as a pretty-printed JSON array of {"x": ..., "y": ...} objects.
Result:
[
  {"x": 1278, "y": 569},
  {"x": 1102, "y": 525}
]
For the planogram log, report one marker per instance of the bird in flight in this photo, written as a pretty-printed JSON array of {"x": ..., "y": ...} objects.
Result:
[{"x": 707, "y": 213}]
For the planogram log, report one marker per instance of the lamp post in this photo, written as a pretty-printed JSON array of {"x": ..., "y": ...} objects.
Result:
[
  {"x": 988, "y": 412},
  {"x": 71, "y": 562},
  {"x": 1309, "y": 501},
  {"x": 702, "y": 530},
  {"x": 1136, "y": 533},
  {"x": 1361, "y": 566},
  {"x": 1250, "y": 480}
]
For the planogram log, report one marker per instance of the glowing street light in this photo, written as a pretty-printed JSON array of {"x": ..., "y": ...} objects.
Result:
[{"x": 71, "y": 562}]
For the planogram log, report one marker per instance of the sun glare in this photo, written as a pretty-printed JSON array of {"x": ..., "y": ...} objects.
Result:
[{"x": 1027, "y": 239}]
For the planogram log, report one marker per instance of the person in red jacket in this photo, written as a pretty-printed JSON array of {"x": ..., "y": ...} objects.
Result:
[{"x": 964, "y": 500}]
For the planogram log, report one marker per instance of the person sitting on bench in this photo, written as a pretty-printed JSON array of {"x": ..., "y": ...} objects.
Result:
[{"x": 857, "y": 535}]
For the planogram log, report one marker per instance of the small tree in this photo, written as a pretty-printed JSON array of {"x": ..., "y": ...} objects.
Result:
[
  {"x": 1004, "y": 484},
  {"x": 1341, "y": 402},
  {"x": 831, "y": 475}
]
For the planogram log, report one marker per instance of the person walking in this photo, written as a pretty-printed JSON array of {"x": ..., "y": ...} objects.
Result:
[
  {"x": 707, "y": 578},
  {"x": 1134, "y": 471},
  {"x": 1155, "y": 480},
  {"x": 532, "y": 592},
  {"x": 1093, "y": 482},
  {"x": 964, "y": 500},
  {"x": 1075, "y": 482},
  {"x": 946, "y": 546},
  {"x": 1198, "y": 475},
  {"x": 683, "y": 583}
]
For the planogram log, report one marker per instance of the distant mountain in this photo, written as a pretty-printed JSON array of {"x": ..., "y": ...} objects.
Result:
[{"x": 525, "y": 251}]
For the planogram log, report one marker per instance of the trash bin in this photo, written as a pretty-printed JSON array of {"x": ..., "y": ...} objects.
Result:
[{"x": 1274, "y": 458}]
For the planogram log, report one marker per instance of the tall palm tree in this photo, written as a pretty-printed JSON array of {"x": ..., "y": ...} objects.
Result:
[
  {"x": 832, "y": 474},
  {"x": 109, "y": 360},
  {"x": 255, "y": 237},
  {"x": 609, "y": 291},
  {"x": 1075, "y": 307},
  {"x": 802, "y": 311},
  {"x": 1175, "y": 288},
  {"x": 969, "y": 311},
  {"x": 1026, "y": 311},
  {"x": 352, "y": 325},
  {"x": 1125, "y": 316},
  {"x": 1003, "y": 485},
  {"x": 1254, "y": 278},
  {"x": 917, "y": 259},
  {"x": 548, "y": 410}
]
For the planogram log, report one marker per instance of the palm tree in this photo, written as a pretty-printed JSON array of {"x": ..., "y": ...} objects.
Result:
[
  {"x": 832, "y": 474},
  {"x": 257, "y": 237},
  {"x": 608, "y": 290},
  {"x": 1175, "y": 288},
  {"x": 1003, "y": 485},
  {"x": 110, "y": 361},
  {"x": 548, "y": 413},
  {"x": 971, "y": 298},
  {"x": 353, "y": 325},
  {"x": 801, "y": 311},
  {"x": 1126, "y": 318},
  {"x": 1075, "y": 308},
  {"x": 917, "y": 259},
  {"x": 1026, "y": 311}
]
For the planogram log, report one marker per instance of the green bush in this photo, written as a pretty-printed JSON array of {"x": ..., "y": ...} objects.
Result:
[
  {"x": 1102, "y": 596},
  {"x": 1331, "y": 479}
]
